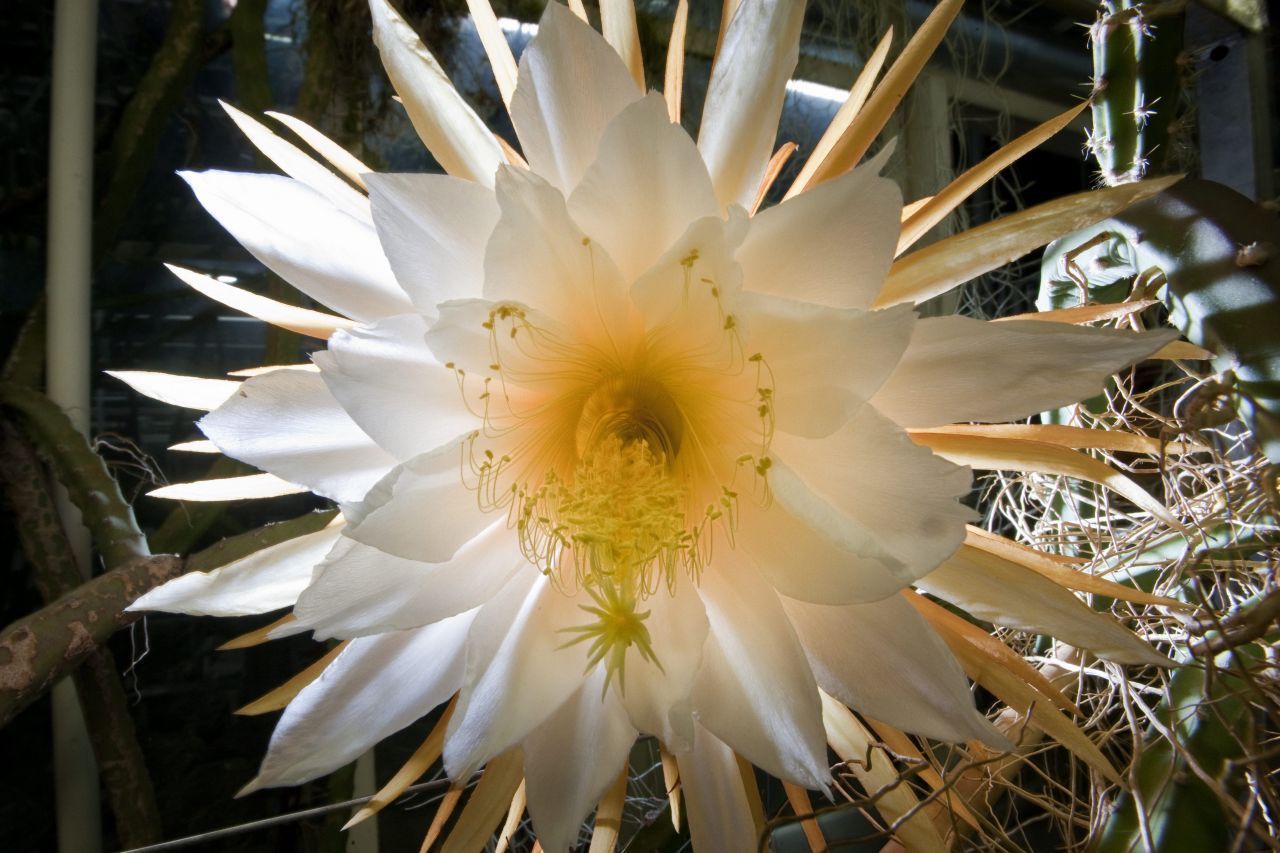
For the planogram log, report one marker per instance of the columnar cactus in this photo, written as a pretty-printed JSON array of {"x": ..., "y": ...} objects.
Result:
[{"x": 1137, "y": 80}]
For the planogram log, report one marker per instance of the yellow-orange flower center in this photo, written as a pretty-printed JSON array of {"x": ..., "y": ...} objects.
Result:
[{"x": 620, "y": 460}]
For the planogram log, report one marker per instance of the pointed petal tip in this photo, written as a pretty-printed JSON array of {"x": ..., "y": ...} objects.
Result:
[
  {"x": 256, "y": 784},
  {"x": 986, "y": 733}
]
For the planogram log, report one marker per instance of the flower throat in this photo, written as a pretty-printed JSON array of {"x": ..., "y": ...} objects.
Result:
[{"x": 616, "y": 512}]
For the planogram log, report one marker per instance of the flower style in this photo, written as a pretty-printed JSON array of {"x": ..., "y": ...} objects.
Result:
[{"x": 615, "y": 453}]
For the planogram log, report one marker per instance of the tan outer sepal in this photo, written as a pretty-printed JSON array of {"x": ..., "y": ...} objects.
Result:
[
  {"x": 771, "y": 172},
  {"x": 885, "y": 99},
  {"x": 1063, "y": 570},
  {"x": 1077, "y": 438},
  {"x": 257, "y": 636},
  {"x": 618, "y": 21},
  {"x": 854, "y": 744},
  {"x": 304, "y": 321},
  {"x": 751, "y": 788},
  {"x": 954, "y": 194},
  {"x": 671, "y": 782},
  {"x": 447, "y": 804},
  {"x": 421, "y": 760},
  {"x": 1019, "y": 695},
  {"x": 495, "y": 46},
  {"x": 487, "y": 803},
  {"x": 956, "y": 630},
  {"x": 1082, "y": 314},
  {"x": 803, "y": 807},
  {"x": 1182, "y": 350},
  {"x": 518, "y": 802},
  {"x": 838, "y": 132},
  {"x": 673, "y": 76},
  {"x": 900, "y": 743},
  {"x": 1038, "y": 457},
  {"x": 608, "y": 825},
  {"x": 940, "y": 266},
  {"x": 248, "y": 487},
  {"x": 283, "y": 695},
  {"x": 347, "y": 164}
]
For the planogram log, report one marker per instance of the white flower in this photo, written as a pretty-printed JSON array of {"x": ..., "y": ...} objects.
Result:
[{"x": 615, "y": 457}]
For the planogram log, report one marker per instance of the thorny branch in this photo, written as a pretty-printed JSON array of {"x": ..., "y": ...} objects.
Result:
[
  {"x": 38, "y": 650},
  {"x": 55, "y": 573}
]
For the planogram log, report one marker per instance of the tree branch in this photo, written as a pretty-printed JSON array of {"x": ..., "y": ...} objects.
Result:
[
  {"x": 41, "y": 648},
  {"x": 106, "y": 709}
]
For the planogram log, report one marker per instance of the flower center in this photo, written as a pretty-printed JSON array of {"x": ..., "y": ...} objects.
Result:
[
  {"x": 620, "y": 518},
  {"x": 620, "y": 460},
  {"x": 631, "y": 407}
]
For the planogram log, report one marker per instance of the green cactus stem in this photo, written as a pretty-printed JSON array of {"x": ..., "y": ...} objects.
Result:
[
  {"x": 1137, "y": 87},
  {"x": 1218, "y": 253}
]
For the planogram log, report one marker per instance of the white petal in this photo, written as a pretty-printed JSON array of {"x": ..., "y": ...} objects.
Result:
[
  {"x": 755, "y": 690},
  {"x": 335, "y": 154},
  {"x": 868, "y": 484},
  {"x": 825, "y": 362},
  {"x": 376, "y": 686},
  {"x": 327, "y": 254},
  {"x": 421, "y": 510},
  {"x": 450, "y": 129},
  {"x": 517, "y": 674},
  {"x": 885, "y": 661},
  {"x": 266, "y": 580},
  {"x": 433, "y": 229},
  {"x": 250, "y": 487},
  {"x": 745, "y": 95},
  {"x": 572, "y": 758},
  {"x": 659, "y": 701},
  {"x": 250, "y": 372},
  {"x": 295, "y": 163},
  {"x": 304, "y": 321},
  {"x": 466, "y": 336},
  {"x": 494, "y": 41},
  {"x": 386, "y": 379},
  {"x": 719, "y": 813},
  {"x": 831, "y": 245},
  {"x": 461, "y": 336},
  {"x": 538, "y": 256},
  {"x": 961, "y": 369},
  {"x": 360, "y": 590},
  {"x": 200, "y": 446},
  {"x": 686, "y": 296},
  {"x": 1007, "y": 594},
  {"x": 571, "y": 84},
  {"x": 654, "y": 166},
  {"x": 189, "y": 392},
  {"x": 802, "y": 563},
  {"x": 287, "y": 423}
]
